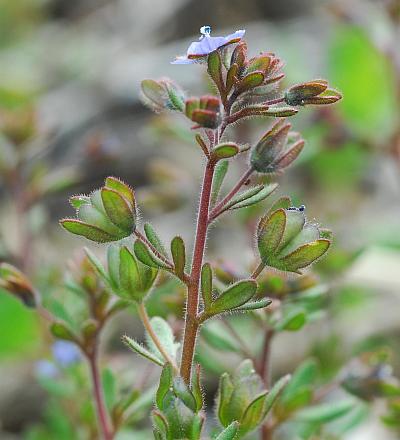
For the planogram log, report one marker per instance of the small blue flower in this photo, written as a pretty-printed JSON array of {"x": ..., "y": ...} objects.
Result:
[
  {"x": 46, "y": 369},
  {"x": 207, "y": 44},
  {"x": 66, "y": 353}
]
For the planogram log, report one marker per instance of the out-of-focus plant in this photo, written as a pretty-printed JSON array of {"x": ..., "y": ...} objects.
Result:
[{"x": 138, "y": 264}]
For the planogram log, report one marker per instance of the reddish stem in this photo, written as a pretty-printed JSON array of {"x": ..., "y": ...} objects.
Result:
[
  {"x": 191, "y": 321},
  {"x": 102, "y": 414},
  {"x": 219, "y": 208}
]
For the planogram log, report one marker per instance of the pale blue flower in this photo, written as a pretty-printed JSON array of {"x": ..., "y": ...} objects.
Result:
[
  {"x": 45, "y": 369},
  {"x": 66, "y": 353},
  {"x": 207, "y": 44}
]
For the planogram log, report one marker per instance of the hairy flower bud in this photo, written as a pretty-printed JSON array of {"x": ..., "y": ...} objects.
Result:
[
  {"x": 163, "y": 94},
  {"x": 286, "y": 241},
  {"x": 312, "y": 92},
  {"x": 276, "y": 150},
  {"x": 108, "y": 214},
  {"x": 205, "y": 111}
]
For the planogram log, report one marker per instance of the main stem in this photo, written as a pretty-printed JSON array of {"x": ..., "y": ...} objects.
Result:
[
  {"x": 105, "y": 428},
  {"x": 191, "y": 321}
]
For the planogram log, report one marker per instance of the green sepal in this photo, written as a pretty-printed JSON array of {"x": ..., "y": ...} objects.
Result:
[
  {"x": 90, "y": 232},
  {"x": 270, "y": 233},
  {"x": 225, "y": 391},
  {"x": 118, "y": 210},
  {"x": 161, "y": 424},
  {"x": 275, "y": 393},
  {"x": 250, "y": 81},
  {"x": 254, "y": 414},
  {"x": 292, "y": 321},
  {"x": 305, "y": 255},
  {"x": 183, "y": 392},
  {"x": 214, "y": 69}
]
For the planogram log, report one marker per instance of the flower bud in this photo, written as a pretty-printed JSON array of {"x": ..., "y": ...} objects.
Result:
[
  {"x": 16, "y": 283},
  {"x": 108, "y": 214},
  {"x": 162, "y": 94},
  {"x": 242, "y": 397},
  {"x": 311, "y": 92},
  {"x": 286, "y": 241},
  {"x": 276, "y": 150},
  {"x": 205, "y": 111}
]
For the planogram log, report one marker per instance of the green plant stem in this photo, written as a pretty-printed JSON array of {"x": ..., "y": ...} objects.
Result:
[
  {"x": 219, "y": 208},
  {"x": 147, "y": 325},
  {"x": 105, "y": 428},
  {"x": 191, "y": 321}
]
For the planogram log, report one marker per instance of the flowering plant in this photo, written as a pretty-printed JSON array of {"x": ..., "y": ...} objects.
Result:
[{"x": 138, "y": 263}]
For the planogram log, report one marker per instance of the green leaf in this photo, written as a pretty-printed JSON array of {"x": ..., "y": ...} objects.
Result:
[
  {"x": 254, "y": 305},
  {"x": 165, "y": 335},
  {"x": 292, "y": 321},
  {"x": 325, "y": 412},
  {"x": 160, "y": 423},
  {"x": 183, "y": 392},
  {"x": 196, "y": 388},
  {"x": 225, "y": 391},
  {"x": 164, "y": 386},
  {"x": 178, "y": 255},
  {"x": 253, "y": 414},
  {"x": 138, "y": 348},
  {"x": 154, "y": 239},
  {"x": 90, "y": 232},
  {"x": 113, "y": 264},
  {"x": 266, "y": 191},
  {"x": 61, "y": 331},
  {"x": 225, "y": 151},
  {"x": 78, "y": 201},
  {"x": 235, "y": 296},
  {"x": 275, "y": 392},
  {"x": 244, "y": 195},
  {"x": 144, "y": 255},
  {"x": 206, "y": 285},
  {"x": 305, "y": 255},
  {"x": 118, "y": 209},
  {"x": 304, "y": 376},
  {"x": 98, "y": 267},
  {"x": 270, "y": 233},
  {"x": 230, "y": 432},
  {"x": 219, "y": 175},
  {"x": 129, "y": 275}
]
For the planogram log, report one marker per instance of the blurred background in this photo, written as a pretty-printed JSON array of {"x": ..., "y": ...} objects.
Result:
[{"x": 70, "y": 115}]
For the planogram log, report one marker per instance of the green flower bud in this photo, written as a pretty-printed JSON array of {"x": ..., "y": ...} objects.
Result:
[
  {"x": 311, "y": 92},
  {"x": 108, "y": 214},
  {"x": 163, "y": 94},
  {"x": 276, "y": 150},
  {"x": 288, "y": 242},
  {"x": 242, "y": 398}
]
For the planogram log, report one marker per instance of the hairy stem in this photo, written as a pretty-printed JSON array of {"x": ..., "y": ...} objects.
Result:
[
  {"x": 147, "y": 325},
  {"x": 191, "y": 321},
  {"x": 105, "y": 428},
  {"x": 258, "y": 270},
  {"x": 219, "y": 208}
]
